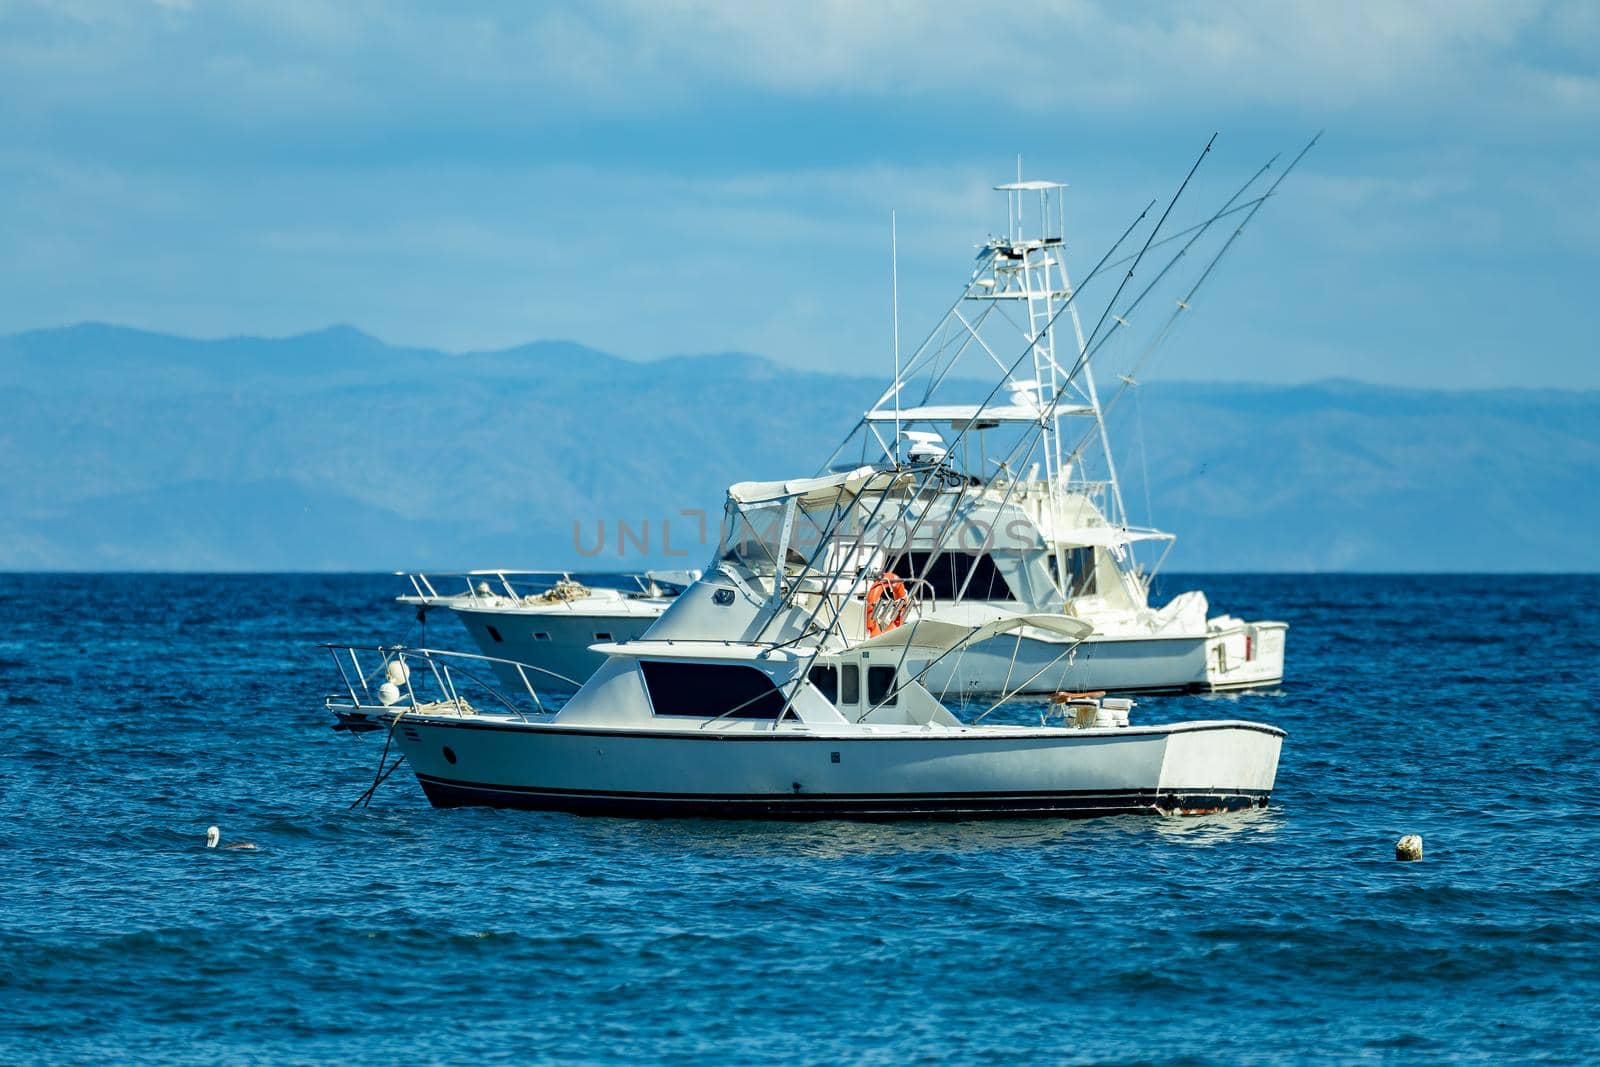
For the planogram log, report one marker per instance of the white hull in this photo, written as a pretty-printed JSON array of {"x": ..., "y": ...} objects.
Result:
[
  {"x": 1241, "y": 657},
  {"x": 563, "y": 650},
  {"x": 792, "y": 772}
]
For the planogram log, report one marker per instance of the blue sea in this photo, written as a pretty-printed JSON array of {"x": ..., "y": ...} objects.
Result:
[{"x": 141, "y": 709}]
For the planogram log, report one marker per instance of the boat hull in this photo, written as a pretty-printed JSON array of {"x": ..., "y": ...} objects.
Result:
[
  {"x": 554, "y": 642},
  {"x": 1186, "y": 769},
  {"x": 1245, "y": 657}
]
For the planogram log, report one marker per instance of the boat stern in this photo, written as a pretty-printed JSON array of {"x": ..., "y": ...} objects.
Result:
[
  {"x": 1219, "y": 766},
  {"x": 1244, "y": 655}
]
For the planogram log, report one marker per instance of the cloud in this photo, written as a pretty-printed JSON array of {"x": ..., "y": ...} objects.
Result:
[
  {"x": 656, "y": 177},
  {"x": 536, "y": 64}
]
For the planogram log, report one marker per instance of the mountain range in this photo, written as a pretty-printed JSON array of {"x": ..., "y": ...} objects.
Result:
[{"x": 131, "y": 450}]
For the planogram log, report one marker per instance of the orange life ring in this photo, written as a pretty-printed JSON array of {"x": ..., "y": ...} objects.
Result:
[{"x": 882, "y": 617}]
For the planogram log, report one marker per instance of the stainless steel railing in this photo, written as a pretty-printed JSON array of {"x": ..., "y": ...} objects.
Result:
[{"x": 393, "y": 665}]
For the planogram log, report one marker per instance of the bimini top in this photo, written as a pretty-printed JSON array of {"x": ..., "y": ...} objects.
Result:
[{"x": 817, "y": 494}]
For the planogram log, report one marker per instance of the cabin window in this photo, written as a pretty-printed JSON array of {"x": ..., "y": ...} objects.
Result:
[
  {"x": 947, "y": 572},
  {"x": 1080, "y": 572},
  {"x": 602, "y": 637},
  {"x": 826, "y": 679},
  {"x": 540, "y": 635},
  {"x": 494, "y": 633},
  {"x": 710, "y": 690},
  {"x": 753, "y": 536},
  {"x": 850, "y": 684},
  {"x": 880, "y": 686}
]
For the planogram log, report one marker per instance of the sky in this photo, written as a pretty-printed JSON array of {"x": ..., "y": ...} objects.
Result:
[{"x": 657, "y": 178}]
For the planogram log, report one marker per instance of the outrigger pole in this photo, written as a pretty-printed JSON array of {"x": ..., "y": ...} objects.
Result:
[
  {"x": 1083, "y": 356},
  {"x": 1184, "y": 304}
]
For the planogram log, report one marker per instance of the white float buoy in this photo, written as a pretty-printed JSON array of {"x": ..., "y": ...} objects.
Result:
[
  {"x": 1408, "y": 847},
  {"x": 214, "y": 837}
]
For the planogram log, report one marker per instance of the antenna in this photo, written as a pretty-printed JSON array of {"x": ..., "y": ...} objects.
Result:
[
  {"x": 1016, "y": 214},
  {"x": 894, "y": 291}
]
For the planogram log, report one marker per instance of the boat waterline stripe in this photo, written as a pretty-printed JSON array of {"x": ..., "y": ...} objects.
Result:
[
  {"x": 801, "y": 798},
  {"x": 814, "y": 807}
]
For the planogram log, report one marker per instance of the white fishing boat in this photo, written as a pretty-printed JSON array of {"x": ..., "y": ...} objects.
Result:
[
  {"x": 546, "y": 619},
  {"x": 791, "y": 690},
  {"x": 790, "y": 680},
  {"x": 1042, "y": 525},
  {"x": 1041, "y": 529}
]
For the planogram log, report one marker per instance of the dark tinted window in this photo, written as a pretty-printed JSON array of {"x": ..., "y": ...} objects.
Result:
[
  {"x": 947, "y": 572},
  {"x": 880, "y": 681},
  {"x": 708, "y": 690},
  {"x": 1080, "y": 572},
  {"x": 494, "y": 633},
  {"x": 826, "y": 679},
  {"x": 849, "y": 684}
]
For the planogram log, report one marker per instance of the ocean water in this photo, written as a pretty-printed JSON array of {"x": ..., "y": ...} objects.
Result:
[{"x": 140, "y": 709}]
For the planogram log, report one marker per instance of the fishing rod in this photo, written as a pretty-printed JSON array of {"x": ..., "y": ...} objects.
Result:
[
  {"x": 1130, "y": 379},
  {"x": 1246, "y": 206},
  {"x": 1230, "y": 206},
  {"x": 1188, "y": 298},
  {"x": 1121, "y": 320},
  {"x": 1199, "y": 232},
  {"x": 1083, "y": 356}
]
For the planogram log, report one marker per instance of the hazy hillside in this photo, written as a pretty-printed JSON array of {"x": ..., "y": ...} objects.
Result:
[{"x": 332, "y": 450}]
